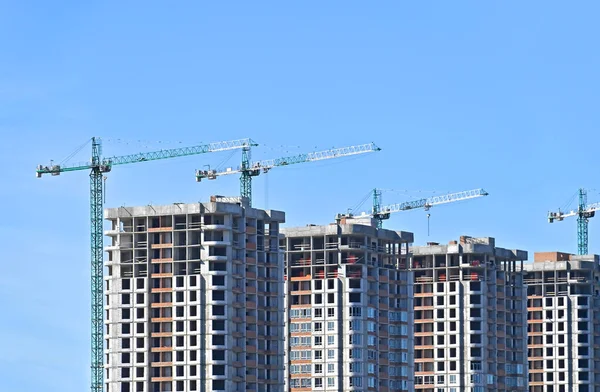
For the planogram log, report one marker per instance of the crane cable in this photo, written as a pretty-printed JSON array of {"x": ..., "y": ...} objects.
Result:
[{"x": 75, "y": 152}]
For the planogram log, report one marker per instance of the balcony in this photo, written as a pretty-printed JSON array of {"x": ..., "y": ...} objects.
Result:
[
  {"x": 161, "y": 246},
  {"x": 163, "y": 260},
  {"x": 159, "y": 229},
  {"x": 217, "y": 257},
  {"x": 215, "y": 242},
  {"x": 216, "y": 226}
]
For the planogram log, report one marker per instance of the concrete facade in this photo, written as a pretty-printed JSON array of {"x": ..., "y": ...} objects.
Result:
[
  {"x": 349, "y": 308},
  {"x": 563, "y": 322},
  {"x": 194, "y": 298},
  {"x": 470, "y": 317}
]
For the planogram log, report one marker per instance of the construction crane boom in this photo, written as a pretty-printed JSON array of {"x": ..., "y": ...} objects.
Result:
[
  {"x": 381, "y": 213},
  {"x": 434, "y": 200},
  {"x": 249, "y": 170},
  {"x": 98, "y": 166},
  {"x": 584, "y": 212},
  {"x": 106, "y": 163}
]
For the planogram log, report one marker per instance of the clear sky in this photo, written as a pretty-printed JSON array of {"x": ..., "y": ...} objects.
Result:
[{"x": 459, "y": 95}]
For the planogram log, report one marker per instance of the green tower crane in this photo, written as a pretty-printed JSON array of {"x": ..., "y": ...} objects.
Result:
[
  {"x": 249, "y": 170},
  {"x": 98, "y": 166},
  {"x": 584, "y": 212},
  {"x": 380, "y": 213}
]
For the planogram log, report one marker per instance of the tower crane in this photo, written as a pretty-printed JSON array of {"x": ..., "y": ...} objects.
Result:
[
  {"x": 381, "y": 213},
  {"x": 251, "y": 169},
  {"x": 98, "y": 166},
  {"x": 584, "y": 212}
]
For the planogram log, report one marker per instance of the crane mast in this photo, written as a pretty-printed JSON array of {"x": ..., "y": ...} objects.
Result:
[
  {"x": 584, "y": 212},
  {"x": 250, "y": 169},
  {"x": 98, "y": 166}
]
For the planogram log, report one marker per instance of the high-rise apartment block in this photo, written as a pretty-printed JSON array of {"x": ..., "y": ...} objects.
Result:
[
  {"x": 194, "y": 298},
  {"x": 470, "y": 317},
  {"x": 563, "y": 322},
  {"x": 349, "y": 308}
]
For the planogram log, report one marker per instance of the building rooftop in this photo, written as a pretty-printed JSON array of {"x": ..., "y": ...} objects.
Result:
[
  {"x": 552, "y": 261},
  {"x": 349, "y": 226},
  {"x": 466, "y": 244},
  {"x": 216, "y": 205}
]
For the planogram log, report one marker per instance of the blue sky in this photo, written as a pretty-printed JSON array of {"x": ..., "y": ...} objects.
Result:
[{"x": 459, "y": 95}]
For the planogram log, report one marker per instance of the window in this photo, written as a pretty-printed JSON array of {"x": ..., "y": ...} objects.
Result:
[
  {"x": 218, "y": 280},
  {"x": 218, "y": 370},
  {"x": 218, "y": 355},
  {"x": 318, "y": 327},
  {"x": 355, "y": 339},
  {"x": 330, "y": 381},
  {"x": 318, "y": 354},
  {"x": 218, "y": 310},
  {"x": 318, "y": 368},
  {"x": 330, "y": 368},
  {"x": 330, "y": 325},
  {"x": 371, "y": 382},
  {"x": 217, "y": 295},
  {"x": 318, "y": 383},
  {"x": 318, "y": 340},
  {"x": 371, "y": 368},
  {"x": 330, "y": 312},
  {"x": 355, "y": 367},
  {"x": 218, "y": 340},
  {"x": 330, "y": 340},
  {"x": 354, "y": 325},
  {"x": 356, "y": 381},
  {"x": 330, "y": 354},
  {"x": 371, "y": 326}
]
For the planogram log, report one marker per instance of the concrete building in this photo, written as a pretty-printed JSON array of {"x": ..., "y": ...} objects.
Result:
[
  {"x": 349, "y": 308},
  {"x": 194, "y": 298},
  {"x": 563, "y": 322},
  {"x": 470, "y": 317}
]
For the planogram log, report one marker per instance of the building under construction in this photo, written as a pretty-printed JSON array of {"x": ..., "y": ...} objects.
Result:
[
  {"x": 563, "y": 295},
  {"x": 194, "y": 298},
  {"x": 349, "y": 307},
  {"x": 470, "y": 317}
]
